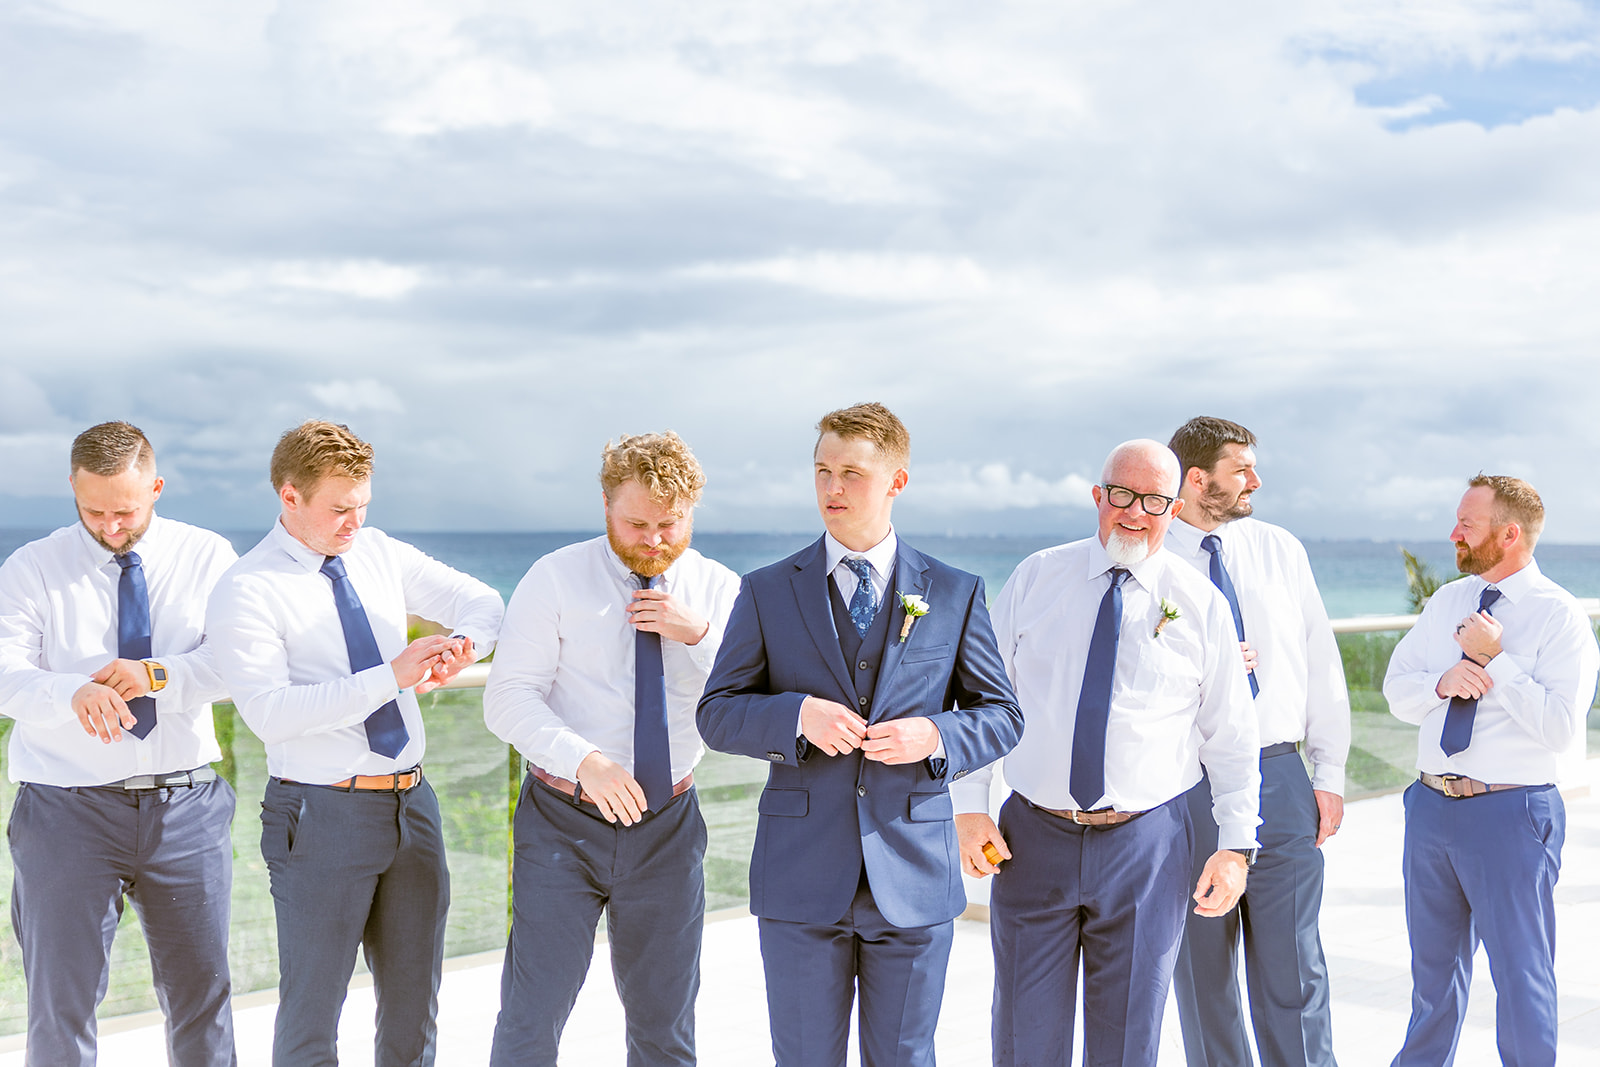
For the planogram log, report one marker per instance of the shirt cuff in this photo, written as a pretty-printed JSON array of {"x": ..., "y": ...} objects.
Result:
[
  {"x": 970, "y": 797},
  {"x": 1236, "y": 835},
  {"x": 1329, "y": 779}
]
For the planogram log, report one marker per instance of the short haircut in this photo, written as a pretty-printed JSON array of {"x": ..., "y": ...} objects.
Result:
[
  {"x": 315, "y": 450},
  {"x": 1200, "y": 442},
  {"x": 112, "y": 448},
  {"x": 660, "y": 462},
  {"x": 870, "y": 422},
  {"x": 1514, "y": 501}
]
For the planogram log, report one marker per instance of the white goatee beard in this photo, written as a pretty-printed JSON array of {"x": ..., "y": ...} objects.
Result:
[{"x": 1125, "y": 551}]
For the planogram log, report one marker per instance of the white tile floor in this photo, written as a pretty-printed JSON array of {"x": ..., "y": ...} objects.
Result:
[{"x": 1363, "y": 928}]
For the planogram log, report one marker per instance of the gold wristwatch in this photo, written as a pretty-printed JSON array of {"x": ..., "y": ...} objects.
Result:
[{"x": 158, "y": 675}]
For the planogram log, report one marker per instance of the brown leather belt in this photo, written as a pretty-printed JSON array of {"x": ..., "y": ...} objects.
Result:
[
  {"x": 1459, "y": 787},
  {"x": 571, "y": 788},
  {"x": 1098, "y": 817},
  {"x": 372, "y": 783}
]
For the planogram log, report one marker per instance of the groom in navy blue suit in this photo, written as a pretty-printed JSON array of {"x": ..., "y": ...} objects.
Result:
[{"x": 868, "y": 677}]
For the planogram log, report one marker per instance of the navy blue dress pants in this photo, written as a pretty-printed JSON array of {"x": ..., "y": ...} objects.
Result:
[
  {"x": 1483, "y": 869},
  {"x": 353, "y": 869},
  {"x": 649, "y": 879},
  {"x": 75, "y": 854},
  {"x": 1285, "y": 971},
  {"x": 1111, "y": 898},
  {"x": 814, "y": 971}
]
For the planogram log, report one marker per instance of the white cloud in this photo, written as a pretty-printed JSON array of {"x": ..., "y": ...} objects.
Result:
[
  {"x": 862, "y": 276},
  {"x": 994, "y": 487},
  {"x": 365, "y": 394}
]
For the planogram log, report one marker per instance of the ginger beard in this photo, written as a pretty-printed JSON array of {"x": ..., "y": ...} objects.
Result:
[
  {"x": 637, "y": 556},
  {"x": 1484, "y": 557}
]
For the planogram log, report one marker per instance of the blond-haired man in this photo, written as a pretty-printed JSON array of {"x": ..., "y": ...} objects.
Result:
[
  {"x": 866, "y": 675},
  {"x": 310, "y": 636},
  {"x": 104, "y": 667},
  {"x": 1499, "y": 673},
  {"x": 605, "y": 649}
]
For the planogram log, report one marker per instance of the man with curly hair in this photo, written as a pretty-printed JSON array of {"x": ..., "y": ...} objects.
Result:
[{"x": 606, "y": 646}]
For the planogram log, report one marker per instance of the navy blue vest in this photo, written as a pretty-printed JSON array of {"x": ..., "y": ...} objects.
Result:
[{"x": 863, "y": 655}]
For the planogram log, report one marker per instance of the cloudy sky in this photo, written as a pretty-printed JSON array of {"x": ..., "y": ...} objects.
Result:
[{"x": 490, "y": 235}]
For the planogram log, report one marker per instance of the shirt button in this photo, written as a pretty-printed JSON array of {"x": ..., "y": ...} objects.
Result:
[
  {"x": 861, "y": 790},
  {"x": 862, "y": 665},
  {"x": 863, "y": 701}
]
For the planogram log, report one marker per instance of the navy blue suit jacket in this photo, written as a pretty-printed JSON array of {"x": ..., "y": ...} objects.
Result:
[{"x": 823, "y": 817}]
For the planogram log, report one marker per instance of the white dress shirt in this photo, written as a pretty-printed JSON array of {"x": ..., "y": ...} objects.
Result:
[
  {"x": 281, "y": 650},
  {"x": 1544, "y": 680},
  {"x": 58, "y": 625},
  {"x": 880, "y": 555},
  {"x": 561, "y": 686},
  {"x": 1300, "y": 674},
  {"x": 1178, "y": 700}
]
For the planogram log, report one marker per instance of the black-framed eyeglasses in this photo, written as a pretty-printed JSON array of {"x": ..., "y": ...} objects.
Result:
[{"x": 1120, "y": 496}]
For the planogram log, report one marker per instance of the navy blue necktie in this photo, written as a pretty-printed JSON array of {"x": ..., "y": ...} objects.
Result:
[
  {"x": 386, "y": 729},
  {"x": 1094, "y": 699},
  {"x": 133, "y": 634},
  {"x": 1457, "y": 732},
  {"x": 863, "y": 606},
  {"x": 1219, "y": 578},
  {"x": 652, "y": 752}
]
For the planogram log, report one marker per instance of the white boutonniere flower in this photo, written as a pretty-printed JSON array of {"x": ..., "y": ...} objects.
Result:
[
  {"x": 1169, "y": 611},
  {"x": 915, "y": 608}
]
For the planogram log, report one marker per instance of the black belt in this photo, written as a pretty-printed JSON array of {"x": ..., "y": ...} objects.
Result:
[
  {"x": 1282, "y": 748},
  {"x": 175, "y": 780}
]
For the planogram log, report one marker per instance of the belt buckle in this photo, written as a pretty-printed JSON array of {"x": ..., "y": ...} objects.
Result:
[{"x": 1446, "y": 780}]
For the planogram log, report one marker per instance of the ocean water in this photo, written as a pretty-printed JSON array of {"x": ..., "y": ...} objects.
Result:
[{"x": 1356, "y": 577}]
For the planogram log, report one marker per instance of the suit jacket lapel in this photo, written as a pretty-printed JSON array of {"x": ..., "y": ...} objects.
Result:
[
  {"x": 910, "y": 576},
  {"x": 810, "y": 584}
]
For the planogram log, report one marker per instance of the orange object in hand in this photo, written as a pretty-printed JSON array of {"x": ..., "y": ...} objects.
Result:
[{"x": 991, "y": 853}]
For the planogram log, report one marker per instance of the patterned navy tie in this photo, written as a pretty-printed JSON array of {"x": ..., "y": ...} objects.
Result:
[
  {"x": 652, "y": 752},
  {"x": 1457, "y": 732},
  {"x": 1094, "y": 699},
  {"x": 1219, "y": 578},
  {"x": 386, "y": 729},
  {"x": 863, "y": 605},
  {"x": 133, "y": 634}
]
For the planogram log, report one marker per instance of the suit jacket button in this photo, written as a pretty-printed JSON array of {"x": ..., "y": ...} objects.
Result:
[
  {"x": 959, "y": 774},
  {"x": 861, "y": 666},
  {"x": 863, "y": 701},
  {"x": 776, "y": 756},
  {"x": 861, "y": 790}
]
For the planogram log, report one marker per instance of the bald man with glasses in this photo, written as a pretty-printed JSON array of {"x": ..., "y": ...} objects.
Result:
[{"x": 1128, "y": 673}]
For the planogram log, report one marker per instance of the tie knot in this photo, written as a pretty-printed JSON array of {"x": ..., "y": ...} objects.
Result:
[
  {"x": 129, "y": 559},
  {"x": 1490, "y": 595},
  {"x": 861, "y": 568},
  {"x": 333, "y": 567},
  {"x": 1211, "y": 543},
  {"x": 644, "y": 582},
  {"x": 1118, "y": 576}
]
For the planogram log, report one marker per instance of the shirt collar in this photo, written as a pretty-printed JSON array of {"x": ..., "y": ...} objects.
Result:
[
  {"x": 880, "y": 555},
  {"x": 1184, "y": 538},
  {"x": 1515, "y": 586},
  {"x": 307, "y": 558},
  {"x": 103, "y": 556}
]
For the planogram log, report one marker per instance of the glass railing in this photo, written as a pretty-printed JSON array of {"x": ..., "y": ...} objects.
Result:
[{"x": 477, "y": 778}]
